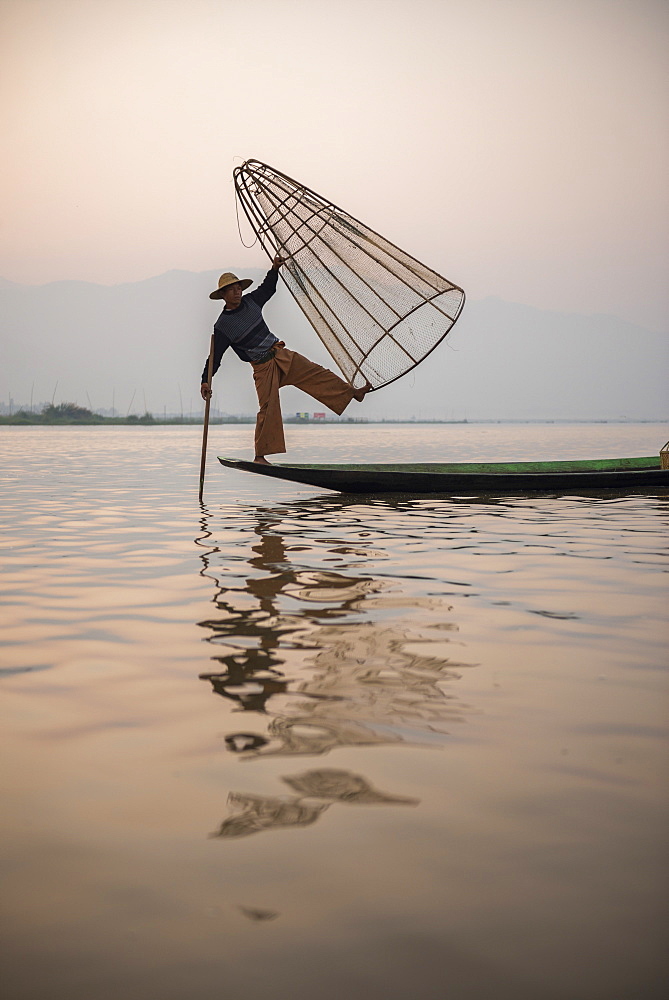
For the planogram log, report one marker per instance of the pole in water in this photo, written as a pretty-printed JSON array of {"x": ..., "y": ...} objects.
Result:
[{"x": 205, "y": 429}]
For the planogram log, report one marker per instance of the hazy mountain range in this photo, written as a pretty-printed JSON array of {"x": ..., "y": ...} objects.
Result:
[{"x": 147, "y": 342}]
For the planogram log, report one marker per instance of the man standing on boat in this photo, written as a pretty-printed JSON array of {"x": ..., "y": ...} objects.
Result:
[{"x": 242, "y": 327}]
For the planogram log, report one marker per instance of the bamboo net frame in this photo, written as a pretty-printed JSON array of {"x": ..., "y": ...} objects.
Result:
[{"x": 378, "y": 311}]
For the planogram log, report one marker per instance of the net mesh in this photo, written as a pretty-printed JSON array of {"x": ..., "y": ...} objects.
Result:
[{"x": 378, "y": 311}]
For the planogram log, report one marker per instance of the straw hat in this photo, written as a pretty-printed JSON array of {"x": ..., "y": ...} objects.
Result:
[{"x": 229, "y": 279}]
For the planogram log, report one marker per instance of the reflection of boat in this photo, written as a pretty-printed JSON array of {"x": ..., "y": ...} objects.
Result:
[{"x": 627, "y": 475}]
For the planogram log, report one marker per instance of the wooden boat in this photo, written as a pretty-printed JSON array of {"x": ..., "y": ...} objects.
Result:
[{"x": 625, "y": 475}]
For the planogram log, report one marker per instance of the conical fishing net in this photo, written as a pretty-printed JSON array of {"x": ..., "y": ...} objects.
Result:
[{"x": 378, "y": 311}]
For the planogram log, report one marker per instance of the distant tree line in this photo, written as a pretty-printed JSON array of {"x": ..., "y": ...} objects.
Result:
[{"x": 71, "y": 413}]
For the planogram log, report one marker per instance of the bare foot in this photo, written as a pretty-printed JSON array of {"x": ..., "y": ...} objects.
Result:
[
  {"x": 261, "y": 460},
  {"x": 360, "y": 394}
]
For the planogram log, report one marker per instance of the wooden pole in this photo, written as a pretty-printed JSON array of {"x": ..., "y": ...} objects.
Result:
[{"x": 205, "y": 429}]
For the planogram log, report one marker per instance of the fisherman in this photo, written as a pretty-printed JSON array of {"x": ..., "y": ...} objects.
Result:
[{"x": 242, "y": 327}]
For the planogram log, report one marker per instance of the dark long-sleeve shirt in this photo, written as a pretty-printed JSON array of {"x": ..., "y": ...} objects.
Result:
[{"x": 244, "y": 329}]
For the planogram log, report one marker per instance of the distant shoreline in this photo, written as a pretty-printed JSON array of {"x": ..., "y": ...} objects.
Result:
[{"x": 37, "y": 420}]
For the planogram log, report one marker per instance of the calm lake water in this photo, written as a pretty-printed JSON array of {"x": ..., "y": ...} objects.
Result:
[{"x": 295, "y": 744}]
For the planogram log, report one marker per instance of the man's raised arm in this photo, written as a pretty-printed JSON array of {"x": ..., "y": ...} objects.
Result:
[{"x": 267, "y": 288}]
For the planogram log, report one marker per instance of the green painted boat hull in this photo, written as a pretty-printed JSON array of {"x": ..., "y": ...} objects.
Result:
[{"x": 627, "y": 475}]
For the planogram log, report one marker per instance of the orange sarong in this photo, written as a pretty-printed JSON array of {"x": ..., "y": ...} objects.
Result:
[{"x": 289, "y": 368}]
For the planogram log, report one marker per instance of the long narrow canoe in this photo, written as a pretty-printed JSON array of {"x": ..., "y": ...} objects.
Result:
[{"x": 627, "y": 475}]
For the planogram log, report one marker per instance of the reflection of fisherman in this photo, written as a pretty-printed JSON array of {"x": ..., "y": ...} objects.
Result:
[
  {"x": 242, "y": 327},
  {"x": 250, "y": 679},
  {"x": 366, "y": 687}
]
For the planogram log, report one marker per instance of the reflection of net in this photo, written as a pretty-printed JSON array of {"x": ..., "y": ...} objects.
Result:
[{"x": 378, "y": 311}]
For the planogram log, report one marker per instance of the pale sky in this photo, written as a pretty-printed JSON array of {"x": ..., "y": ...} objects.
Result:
[{"x": 519, "y": 147}]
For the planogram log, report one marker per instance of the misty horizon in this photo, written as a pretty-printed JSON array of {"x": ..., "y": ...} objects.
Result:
[{"x": 502, "y": 361}]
